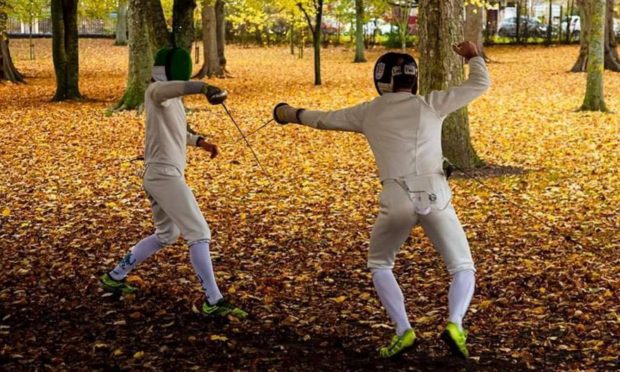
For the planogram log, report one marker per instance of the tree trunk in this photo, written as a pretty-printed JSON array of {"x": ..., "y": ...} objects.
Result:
[
  {"x": 582, "y": 60},
  {"x": 220, "y": 26},
  {"x": 316, "y": 38},
  {"x": 473, "y": 27},
  {"x": 121, "y": 24},
  {"x": 612, "y": 60},
  {"x": 211, "y": 64},
  {"x": 7, "y": 68},
  {"x": 65, "y": 49},
  {"x": 440, "y": 25},
  {"x": 359, "y": 31},
  {"x": 594, "y": 99},
  {"x": 292, "y": 38},
  {"x": 147, "y": 34},
  {"x": 183, "y": 23}
]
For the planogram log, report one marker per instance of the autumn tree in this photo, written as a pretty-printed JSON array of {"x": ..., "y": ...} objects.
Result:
[
  {"x": 595, "y": 12},
  {"x": 183, "y": 23},
  {"x": 121, "y": 23},
  {"x": 359, "y": 31},
  {"x": 8, "y": 71},
  {"x": 473, "y": 23},
  {"x": 148, "y": 33},
  {"x": 440, "y": 26},
  {"x": 213, "y": 65},
  {"x": 65, "y": 49},
  {"x": 402, "y": 10},
  {"x": 316, "y": 7},
  {"x": 611, "y": 58}
]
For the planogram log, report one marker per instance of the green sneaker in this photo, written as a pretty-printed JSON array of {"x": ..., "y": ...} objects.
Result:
[
  {"x": 115, "y": 286},
  {"x": 455, "y": 338},
  {"x": 398, "y": 344},
  {"x": 222, "y": 308}
]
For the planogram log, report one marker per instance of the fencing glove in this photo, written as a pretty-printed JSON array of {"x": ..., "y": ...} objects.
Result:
[{"x": 283, "y": 113}]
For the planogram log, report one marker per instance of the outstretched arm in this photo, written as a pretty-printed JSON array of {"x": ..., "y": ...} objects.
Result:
[
  {"x": 349, "y": 119},
  {"x": 164, "y": 90},
  {"x": 446, "y": 101}
]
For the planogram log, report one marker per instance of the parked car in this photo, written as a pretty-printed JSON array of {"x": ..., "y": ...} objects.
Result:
[
  {"x": 574, "y": 27},
  {"x": 508, "y": 27}
]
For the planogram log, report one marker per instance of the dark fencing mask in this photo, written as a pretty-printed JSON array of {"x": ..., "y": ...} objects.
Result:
[{"x": 394, "y": 71}]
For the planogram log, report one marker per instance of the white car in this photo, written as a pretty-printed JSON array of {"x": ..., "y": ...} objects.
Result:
[{"x": 575, "y": 26}]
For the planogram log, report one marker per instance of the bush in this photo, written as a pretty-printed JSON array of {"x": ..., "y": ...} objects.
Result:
[{"x": 392, "y": 40}]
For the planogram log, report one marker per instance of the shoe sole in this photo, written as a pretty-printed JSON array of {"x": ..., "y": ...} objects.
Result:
[{"x": 454, "y": 349}]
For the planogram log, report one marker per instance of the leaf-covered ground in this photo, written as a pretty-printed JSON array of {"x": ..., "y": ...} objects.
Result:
[{"x": 293, "y": 251}]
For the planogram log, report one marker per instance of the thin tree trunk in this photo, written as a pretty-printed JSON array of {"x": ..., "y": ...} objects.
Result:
[
  {"x": 584, "y": 38},
  {"x": 220, "y": 22},
  {"x": 183, "y": 23},
  {"x": 211, "y": 64},
  {"x": 612, "y": 61},
  {"x": 440, "y": 25},
  {"x": 359, "y": 31},
  {"x": 7, "y": 68},
  {"x": 121, "y": 24},
  {"x": 316, "y": 37},
  {"x": 594, "y": 99},
  {"x": 292, "y": 38},
  {"x": 317, "y": 42},
  {"x": 65, "y": 49},
  {"x": 473, "y": 26}
]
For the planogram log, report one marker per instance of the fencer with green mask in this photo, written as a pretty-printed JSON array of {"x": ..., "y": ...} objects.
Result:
[{"x": 174, "y": 207}]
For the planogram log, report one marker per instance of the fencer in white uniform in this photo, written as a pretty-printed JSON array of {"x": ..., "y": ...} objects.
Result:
[
  {"x": 174, "y": 207},
  {"x": 404, "y": 133}
]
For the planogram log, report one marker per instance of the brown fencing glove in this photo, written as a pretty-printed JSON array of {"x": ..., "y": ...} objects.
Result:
[{"x": 283, "y": 113}]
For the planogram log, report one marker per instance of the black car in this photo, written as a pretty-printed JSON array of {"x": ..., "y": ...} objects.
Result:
[{"x": 528, "y": 26}]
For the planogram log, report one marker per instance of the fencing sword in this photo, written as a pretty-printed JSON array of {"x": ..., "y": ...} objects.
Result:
[
  {"x": 259, "y": 128},
  {"x": 246, "y": 140},
  {"x": 553, "y": 228}
]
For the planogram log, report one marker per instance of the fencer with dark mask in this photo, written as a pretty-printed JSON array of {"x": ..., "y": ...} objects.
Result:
[{"x": 404, "y": 133}]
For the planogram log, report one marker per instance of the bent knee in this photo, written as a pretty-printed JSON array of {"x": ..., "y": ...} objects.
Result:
[
  {"x": 199, "y": 236},
  {"x": 380, "y": 260},
  {"x": 168, "y": 236},
  {"x": 464, "y": 265}
]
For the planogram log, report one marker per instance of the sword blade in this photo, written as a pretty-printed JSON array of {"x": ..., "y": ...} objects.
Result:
[{"x": 246, "y": 141}]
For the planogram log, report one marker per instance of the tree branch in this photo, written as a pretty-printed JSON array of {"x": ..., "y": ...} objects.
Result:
[{"x": 301, "y": 7}]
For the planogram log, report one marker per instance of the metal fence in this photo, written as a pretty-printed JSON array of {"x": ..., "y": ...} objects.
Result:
[{"x": 43, "y": 27}]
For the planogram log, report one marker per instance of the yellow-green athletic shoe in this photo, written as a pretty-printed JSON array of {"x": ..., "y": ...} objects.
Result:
[
  {"x": 115, "y": 286},
  {"x": 398, "y": 345},
  {"x": 456, "y": 339},
  {"x": 222, "y": 308}
]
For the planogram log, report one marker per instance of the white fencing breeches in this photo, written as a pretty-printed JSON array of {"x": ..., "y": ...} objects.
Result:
[
  {"x": 174, "y": 207},
  {"x": 397, "y": 216}
]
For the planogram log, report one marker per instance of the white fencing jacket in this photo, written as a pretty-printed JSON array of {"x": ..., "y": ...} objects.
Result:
[
  {"x": 404, "y": 130},
  {"x": 166, "y": 134}
]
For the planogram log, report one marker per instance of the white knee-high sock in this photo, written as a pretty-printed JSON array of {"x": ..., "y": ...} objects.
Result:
[
  {"x": 138, "y": 253},
  {"x": 201, "y": 260},
  {"x": 460, "y": 294},
  {"x": 392, "y": 298}
]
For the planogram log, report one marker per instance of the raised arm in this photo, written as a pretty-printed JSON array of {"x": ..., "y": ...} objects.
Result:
[
  {"x": 446, "y": 101},
  {"x": 164, "y": 90},
  {"x": 349, "y": 119}
]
